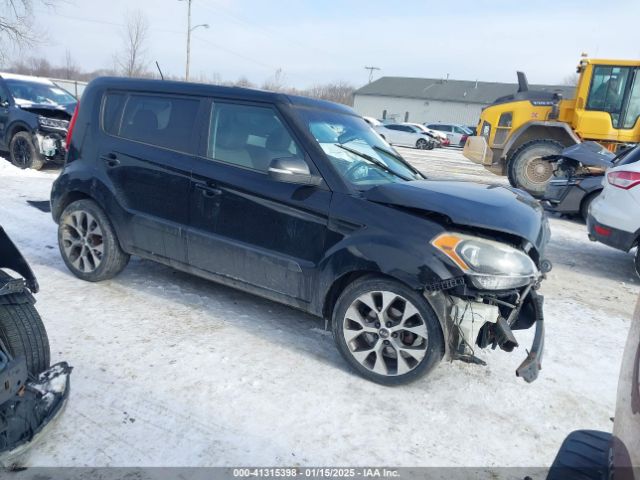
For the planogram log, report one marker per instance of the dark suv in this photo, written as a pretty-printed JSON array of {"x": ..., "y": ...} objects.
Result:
[
  {"x": 34, "y": 118},
  {"x": 299, "y": 201}
]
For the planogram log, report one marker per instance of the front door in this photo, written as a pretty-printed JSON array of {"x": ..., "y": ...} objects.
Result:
[
  {"x": 147, "y": 155},
  {"x": 244, "y": 225},
  {"x": 4, "y": 115}
]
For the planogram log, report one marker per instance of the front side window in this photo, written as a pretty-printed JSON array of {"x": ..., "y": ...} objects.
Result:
[
  {"x": 359, "y": 155},
  {"x": 24, "y": 91},
  {"x": 163, "y": 121},
  {"x": 249, "y": 136},
  {"x": 633, "y": 108},
  {"x": 607, "y": 90}
]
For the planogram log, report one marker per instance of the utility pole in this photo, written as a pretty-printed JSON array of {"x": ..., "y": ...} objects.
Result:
[
  {"x": 371, "y": 70},
  {"x": 189, "y": 30},
  {"x": 186, "y": 75}
]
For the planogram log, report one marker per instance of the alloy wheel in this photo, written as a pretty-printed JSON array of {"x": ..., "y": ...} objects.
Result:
[
  {"x": 385, "y": 333},
  {"x": 82, "y": 241},
  {"x": 21, "y": 152}
]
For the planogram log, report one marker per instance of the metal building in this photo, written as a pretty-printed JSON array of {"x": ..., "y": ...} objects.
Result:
[{"x": 403, "y": 99}]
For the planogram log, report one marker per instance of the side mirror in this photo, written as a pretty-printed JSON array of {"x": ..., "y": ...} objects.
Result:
[{"x": 292, "y": 170}]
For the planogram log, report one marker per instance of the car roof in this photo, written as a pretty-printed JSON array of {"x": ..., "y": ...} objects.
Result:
[
  {"x": 191, "y": 88},
  {"x": 28, "y": 78}
]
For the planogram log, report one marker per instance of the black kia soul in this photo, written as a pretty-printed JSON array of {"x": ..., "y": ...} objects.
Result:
[{"x": 301, "y": 202}]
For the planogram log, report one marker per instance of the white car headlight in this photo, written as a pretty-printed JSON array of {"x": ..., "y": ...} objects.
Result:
[{"x": 489, "y": 264}]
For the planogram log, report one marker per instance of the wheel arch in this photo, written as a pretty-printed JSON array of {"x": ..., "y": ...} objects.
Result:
[
  {"x": 557, "y": 131},
  {"x": 338, "y": 286},
  {"x": 66, "y": 200},
  {"x": 16, "y": 127}
]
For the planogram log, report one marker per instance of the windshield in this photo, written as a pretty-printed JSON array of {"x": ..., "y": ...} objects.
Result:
[
  {"x": 358, "y": 153},
  {"x": 40, "y": 93}
]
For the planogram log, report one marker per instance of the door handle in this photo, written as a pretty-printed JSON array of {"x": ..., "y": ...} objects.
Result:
[
  {"x": 209, "y": 191},
  {"x": 111, "y": 159}
]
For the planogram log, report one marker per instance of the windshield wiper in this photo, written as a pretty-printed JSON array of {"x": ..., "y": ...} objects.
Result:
[
  {"x": 370, "y": 159},
  {"x": 397, "y": 157}
]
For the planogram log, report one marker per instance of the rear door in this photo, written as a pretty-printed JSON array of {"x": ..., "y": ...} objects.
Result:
[
  {"x": 147, "y": 155},
  {"x": 244, "y": 225}
]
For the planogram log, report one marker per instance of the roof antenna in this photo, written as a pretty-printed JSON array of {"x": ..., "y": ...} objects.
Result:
[{"x": 160, "y": 71}]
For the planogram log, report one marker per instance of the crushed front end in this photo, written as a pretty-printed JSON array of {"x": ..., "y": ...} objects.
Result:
[{"x": 496, "y": 293}]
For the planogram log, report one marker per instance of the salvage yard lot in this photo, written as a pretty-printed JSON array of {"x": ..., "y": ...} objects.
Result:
[{"x": 173, "y": 370}]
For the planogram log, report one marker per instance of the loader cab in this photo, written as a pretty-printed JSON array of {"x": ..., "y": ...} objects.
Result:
[{"x": 607, "y": 104}]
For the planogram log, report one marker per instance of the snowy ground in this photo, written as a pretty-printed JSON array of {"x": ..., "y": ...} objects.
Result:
[{"x": 172, "y": 370}]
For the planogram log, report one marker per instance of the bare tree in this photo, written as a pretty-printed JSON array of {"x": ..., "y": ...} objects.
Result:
[
  {"x": 16, "y": 24},
  {"x": 276, "y": 83},
  {"x": 131, "y": 60},
  {"x": 340, "y": 92},
  {"x": 69, "y": 70}
]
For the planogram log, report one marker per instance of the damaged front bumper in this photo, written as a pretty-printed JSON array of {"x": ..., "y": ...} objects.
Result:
[
  {"x": 51, "y": 144},
  {"x": 472, "y": 320},
  {"x": 28, "y": 407}
]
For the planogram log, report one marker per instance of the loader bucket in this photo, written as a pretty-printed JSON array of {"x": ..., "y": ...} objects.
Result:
[{"x": 12, "y": 259}]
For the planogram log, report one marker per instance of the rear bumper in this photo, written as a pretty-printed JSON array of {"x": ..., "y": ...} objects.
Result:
[{"x": 610, "y": 236}]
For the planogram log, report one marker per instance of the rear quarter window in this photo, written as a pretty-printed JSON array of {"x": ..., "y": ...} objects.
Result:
[{"x": 160, "y": 120}]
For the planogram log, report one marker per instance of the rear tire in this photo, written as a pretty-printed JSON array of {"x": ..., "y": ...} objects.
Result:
[
  {"x": 527, "y": 170},
  {"x": 88, "y": 242},
  {"x": 23, "y": 153},
  {"x": 22, "y": 331},
  {"x": 394, "y": 321},
  {"x": 586, "y": 202}
]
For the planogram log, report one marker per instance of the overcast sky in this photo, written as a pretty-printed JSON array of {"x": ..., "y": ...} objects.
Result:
[{"x": 327, "y": 40}]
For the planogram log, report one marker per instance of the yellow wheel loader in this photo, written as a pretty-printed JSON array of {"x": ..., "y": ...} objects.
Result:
[{"x": 517, "y": 132}]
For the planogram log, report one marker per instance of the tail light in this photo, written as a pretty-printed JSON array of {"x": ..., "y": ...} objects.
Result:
[
  {"x": 72, "y": 124},
  {"x": 624, "y": 180},
  {"x": 463, "y": 139}
]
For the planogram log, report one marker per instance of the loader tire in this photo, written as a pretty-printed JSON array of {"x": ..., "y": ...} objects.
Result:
[
  {"x": 527, "y": 169},
  {"x": 22, "y": 332}
]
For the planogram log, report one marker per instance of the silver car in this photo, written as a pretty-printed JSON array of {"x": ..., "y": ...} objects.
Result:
[{"x": 405, "y": 135}]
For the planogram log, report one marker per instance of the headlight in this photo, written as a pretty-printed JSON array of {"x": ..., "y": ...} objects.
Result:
[
  {"x": 53, "y": 123},
  {"x": 490, "y": 265}
]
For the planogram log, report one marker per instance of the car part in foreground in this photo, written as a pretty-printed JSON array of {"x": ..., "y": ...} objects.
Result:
[{"x": 31, "y": 393}]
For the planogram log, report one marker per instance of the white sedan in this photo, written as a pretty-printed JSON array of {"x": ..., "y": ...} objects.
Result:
[
  {"x": 405, "y": 135},
  {"x": 614, "y": 216}
]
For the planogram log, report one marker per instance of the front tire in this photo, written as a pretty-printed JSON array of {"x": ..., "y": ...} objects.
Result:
[
  {"x": 88, "y": 242},
  {"x": 386, "y": 331},
  {"x": 422, "y": 144},
  {"x": 23, "y": 153},
  {"x": 22, "y": 331},
  {"x": 528, "y": 170}
]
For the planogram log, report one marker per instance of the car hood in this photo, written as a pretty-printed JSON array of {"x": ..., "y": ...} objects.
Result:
[
  {"x": 43, "y": 108},
  {"x": 590, "y": 154},
  {"x": 489, "y": 207}
]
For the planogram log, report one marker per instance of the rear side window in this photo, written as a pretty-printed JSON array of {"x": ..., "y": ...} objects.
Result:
[
  {"x": 112, "y": 112},
  {"x": 163, "y": 121},
  {"x": 249, "y": 136}
]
